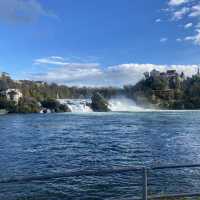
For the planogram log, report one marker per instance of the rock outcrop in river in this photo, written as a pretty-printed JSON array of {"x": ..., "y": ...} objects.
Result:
[{"x": 99, "y": 103}]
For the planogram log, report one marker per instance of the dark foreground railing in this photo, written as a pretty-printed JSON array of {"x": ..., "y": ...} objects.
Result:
[{"x": 105, "y": 172}]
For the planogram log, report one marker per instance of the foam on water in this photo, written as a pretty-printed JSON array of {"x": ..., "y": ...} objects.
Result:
[
  {"x": 77, "y": 105},
  {"x": 119, "y": 104}
]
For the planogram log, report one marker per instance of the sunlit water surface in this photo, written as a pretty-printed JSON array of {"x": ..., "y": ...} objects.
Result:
[{"x": 46, "y": 144}]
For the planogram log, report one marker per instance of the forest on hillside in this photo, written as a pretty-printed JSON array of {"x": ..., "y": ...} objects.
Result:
[{"x": 166, "y": 91}]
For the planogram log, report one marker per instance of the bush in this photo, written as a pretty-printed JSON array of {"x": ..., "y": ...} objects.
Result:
[
  {"x": 54, "y": 105},
  {"x": 63, "y": 108},
  {"x": 28, "y": 105},
  {"x": 50, "y": 104},
  {"x": 10, "y": 106}
]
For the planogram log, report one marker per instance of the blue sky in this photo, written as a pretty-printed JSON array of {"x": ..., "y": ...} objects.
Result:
[{"x": 97, "y": 42}]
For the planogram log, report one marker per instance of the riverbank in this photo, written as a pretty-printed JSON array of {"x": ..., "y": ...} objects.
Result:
[{"x": 30, "y": 105}]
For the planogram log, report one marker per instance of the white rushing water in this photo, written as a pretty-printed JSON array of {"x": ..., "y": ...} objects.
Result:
[
  {"x": 77, "y": 105},
  {"x": 119, "y": 104},
  {"x": 123, "y": 104}
]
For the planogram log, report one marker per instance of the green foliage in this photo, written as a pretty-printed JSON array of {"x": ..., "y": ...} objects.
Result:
[
  {"x": 157, "y": 83},
  {"x": 167, "y": 92},
  {"x": 28, "y": 105},
  {"x": 63, "y": 108},
  {"x": 10, "y": 106},
  {"x": 3, "y": 85},
  {"x": 50, "y": 104},
  {"x": 54, "y": 105}
]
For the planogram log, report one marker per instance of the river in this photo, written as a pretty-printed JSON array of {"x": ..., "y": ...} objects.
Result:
[{"x": 39, "y": 144}]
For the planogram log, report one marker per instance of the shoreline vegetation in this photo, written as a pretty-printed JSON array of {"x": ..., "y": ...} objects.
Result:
[
  {"x": 157, "y": 90},
  {"x": 166, "y": 90}
]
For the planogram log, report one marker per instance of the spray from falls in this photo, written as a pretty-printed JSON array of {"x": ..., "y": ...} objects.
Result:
[
  {"x": 118, "y": 104},
  {"x": 123, "y": 104}
]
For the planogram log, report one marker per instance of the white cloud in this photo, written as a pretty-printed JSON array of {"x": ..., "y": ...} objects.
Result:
[
  {"x": 58, "y": 60},
  {"x": 72, "y": 74},
  {"x": 179, "y": 40},
  {"x": 163, "y": 40},
  {"x": 57, "y": 57},
  {"x": 195, "y": 38},
  {"x": 188, "y": 25},
  {"x": 158, "y": 20},
  {"x": 53, "y": 60},
  {"x": 177, "y": 2},
  {"x": 91, "y": 74},
  {"x": 179, "y": 14},
  {"x": 186, "y": 10},
  {"x": 21, "y": 10},
  {"x": 195, "y": 11}
]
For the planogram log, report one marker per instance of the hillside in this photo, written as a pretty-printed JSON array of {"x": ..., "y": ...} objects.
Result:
[{"x": 166, "y": 90}]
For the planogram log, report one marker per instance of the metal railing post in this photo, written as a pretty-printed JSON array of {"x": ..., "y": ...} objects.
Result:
[{"x": 145, "y": 185}]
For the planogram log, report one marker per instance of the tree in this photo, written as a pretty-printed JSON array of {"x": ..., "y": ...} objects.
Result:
[
  {"x": 159, "y": 84},
  {"x": 28, "y": 105},
  {"x": 3, "y": 85},
  {"x": 10, "y": 106},
  {"x": 55, "y": 106}
]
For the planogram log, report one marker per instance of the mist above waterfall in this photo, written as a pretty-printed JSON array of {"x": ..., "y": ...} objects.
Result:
[{"x": 123, "y": 104}]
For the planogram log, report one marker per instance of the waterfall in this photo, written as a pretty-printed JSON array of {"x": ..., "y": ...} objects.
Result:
[
  {"x": 123, "y": 104},
  {"x": 119, "y": 104},
  {"x": 77, "y": 105}
]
